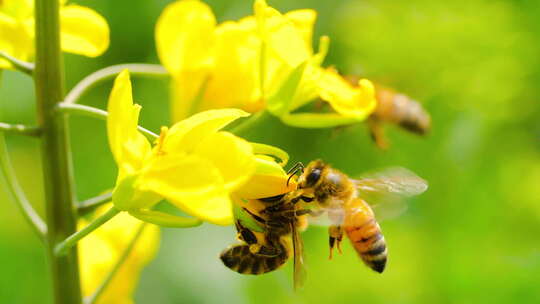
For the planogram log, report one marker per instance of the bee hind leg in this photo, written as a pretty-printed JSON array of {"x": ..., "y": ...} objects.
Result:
[{"x": 377, "y": 133}]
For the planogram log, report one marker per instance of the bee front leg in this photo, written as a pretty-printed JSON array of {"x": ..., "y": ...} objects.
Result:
[{"x": 335, "y": 237}]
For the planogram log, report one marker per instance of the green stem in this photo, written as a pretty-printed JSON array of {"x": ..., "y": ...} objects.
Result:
[
  {"x": 23, "y": 66},
  {"x": 109, "y": 72},
  {"x": 121, "y": 260},
  {"x": 94, "y": 202},
  {"x": 15, "y": 190},
  {"x": 95, "y": 113},
  {"x": 249, "y": 124},
  {"x": 55, "y": 154},
  {"x": 63, "y": 247},
  {"x": 20, "y": 129}
]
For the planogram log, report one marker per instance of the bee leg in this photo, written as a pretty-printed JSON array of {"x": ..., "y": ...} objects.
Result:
[
  {"x": 254, "y": 216},
  {"x": 245, "y": 234},
  {"x": 335, "y": 237},
  {"x": 377, "y": 133}
]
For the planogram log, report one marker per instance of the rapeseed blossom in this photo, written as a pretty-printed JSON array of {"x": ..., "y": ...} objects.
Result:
[
  {"x": 193, "y": 165},
  {"x": 82, "y": 30},
  {"x": 264, "y": 61}
]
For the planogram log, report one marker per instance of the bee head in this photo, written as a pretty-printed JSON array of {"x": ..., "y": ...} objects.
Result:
[{"x": 312, "y": 174}]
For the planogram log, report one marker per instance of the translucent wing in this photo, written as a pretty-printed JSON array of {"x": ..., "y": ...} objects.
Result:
[
  {"x": 384, "y": 190},
  {"x": 298, "y": 249}
]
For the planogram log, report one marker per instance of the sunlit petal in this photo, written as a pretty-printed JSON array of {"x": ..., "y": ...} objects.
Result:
[
  {"x": 184, "y": 35},
  {"x": 83, "y": 31},
  {"x": 186, "y": 134},
  {"x": 191, "y": 183},
  {"x": 304, "y": 21},
  {"x": 347, "y": 100},
  {"x": 268, "y": 180},
  {"x": 15, "y": 39},
  {"x": 129, "y": 147},
  {"x": 232, "y": 155}
]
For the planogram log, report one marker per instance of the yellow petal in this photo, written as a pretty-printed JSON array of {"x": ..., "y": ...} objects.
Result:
[
  {"x": 281, "y": 35},
  {"x": 191, "y": 183},
  {"x": 184, "y": 35},
  {"x": 128, "y": 146},
  {"x": 83, "y": 31},
  {"x": 186, "y": 134},
  {"x": 15, "y": 40},
  {"x": 347, "y": 100},
  {"x": 304, "y": 21},
  {"x": 271, "y": 151},
  {"x": 185, "y": 87},
  {"x": 19, "y": 9},
  {"x": 232, "y": 155},
  {"x": 235, "y": 76},
  {"x": 268, "y": 180}
]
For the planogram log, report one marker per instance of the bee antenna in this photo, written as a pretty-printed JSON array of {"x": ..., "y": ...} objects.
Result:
[
  {"x": 295, "y": 168},
  {"x": 298, "y": 167}
]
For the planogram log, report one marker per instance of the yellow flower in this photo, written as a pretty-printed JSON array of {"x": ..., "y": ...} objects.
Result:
[
  {"x": 101, "y": 250},
  {"x": 193, "y": 164},
  {"x": 261, "y": 61},
  {"x": 83, "y": 31}
]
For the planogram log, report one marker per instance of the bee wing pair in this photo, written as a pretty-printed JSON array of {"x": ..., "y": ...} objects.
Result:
[{"x": 384, "y": 190}]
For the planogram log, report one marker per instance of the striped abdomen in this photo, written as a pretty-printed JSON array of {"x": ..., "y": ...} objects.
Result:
[
  {"x": 240, "y": 259},
  {"x": 366, "y": 236},
  {"x": 402, "y": 110}
]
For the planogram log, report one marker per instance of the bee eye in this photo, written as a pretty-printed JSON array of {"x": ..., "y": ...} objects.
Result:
[{"x": 313, "y": 177}]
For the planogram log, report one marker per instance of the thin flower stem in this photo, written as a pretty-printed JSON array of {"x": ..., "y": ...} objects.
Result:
[
  {"x": 247, "y": 125},
  {"x": 61, "y": 248},
  {"x": 95, "y": 113},
  {"x": 90, "y": 204},
  {"x": 20, "y": 129},
  {"x": 121, "y": 260},
  {"x": 109, "y": 72},
  {"x": 15, "y": 190},
  {"x": 23, "y": 66}
]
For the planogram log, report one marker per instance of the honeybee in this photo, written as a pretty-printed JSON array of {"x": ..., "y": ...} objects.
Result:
[
  {"x": 344, "y": 201},
  {"x": 321, "y": 189},
  {"x": 267, "y": 249},
  {"x": 397, "y": 108}
]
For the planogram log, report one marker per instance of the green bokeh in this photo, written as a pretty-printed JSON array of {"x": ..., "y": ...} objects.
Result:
[{"x": 473, "y": 237}]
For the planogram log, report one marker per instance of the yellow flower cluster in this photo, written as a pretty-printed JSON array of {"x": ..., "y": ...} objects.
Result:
[
  {"x": 82, "y": 30},
  {"x": 261, "y": 61},
  {"x": 193, "y": 165}
]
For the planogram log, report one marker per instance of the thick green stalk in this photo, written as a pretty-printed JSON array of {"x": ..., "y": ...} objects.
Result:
[{"x": 57, "y": 173}]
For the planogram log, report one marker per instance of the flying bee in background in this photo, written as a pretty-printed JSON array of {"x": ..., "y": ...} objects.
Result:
[
  {"x": 267, "y": 249},
  {"x": 343, "y": 199},
  {"x": 395, "y": 108}
]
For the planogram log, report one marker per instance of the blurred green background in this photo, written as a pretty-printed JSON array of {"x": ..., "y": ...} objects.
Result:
[{"x": 473, "y": 237}]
